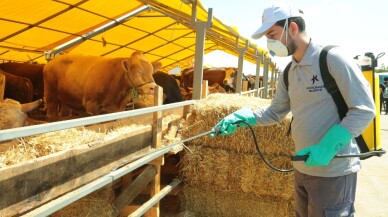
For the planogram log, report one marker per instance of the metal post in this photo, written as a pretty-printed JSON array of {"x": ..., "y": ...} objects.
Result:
[
  {"x": 241, "y": 51},
  {"x": 258, "y": 63},
  {"x": 276, "y": 75},
  {"x": 273, "y": 79},
  {"x": 199, "y": 52},
  {"x": 265, "y": 78}
]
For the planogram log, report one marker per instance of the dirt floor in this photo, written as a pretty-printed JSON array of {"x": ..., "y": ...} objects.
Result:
[{"x": 372, "y": 188}]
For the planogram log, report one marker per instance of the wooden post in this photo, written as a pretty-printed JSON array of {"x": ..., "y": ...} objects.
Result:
[
  {"x": 245, "y": 85},
  {"x": 132, "y": 190},
  {"x": 156, "y": 143},
  {"x": 205, "y": 89},
  {"x": 2, "y": 85}
]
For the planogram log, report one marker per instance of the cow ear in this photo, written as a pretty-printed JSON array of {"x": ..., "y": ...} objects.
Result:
[
  {"x": 156, "y": 66},
  {"x": 126, "y": 65}
]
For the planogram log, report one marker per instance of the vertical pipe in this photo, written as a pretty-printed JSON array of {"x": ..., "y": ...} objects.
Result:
[
  {"x": 265, "y": 78},
  {"x": 199, "y": 52},
  {"x": 273, "y": 80},
  {"x": 257, "y": 80},
  {"x": 198, "y": 64},
  {"x": 241, "y": 51}
]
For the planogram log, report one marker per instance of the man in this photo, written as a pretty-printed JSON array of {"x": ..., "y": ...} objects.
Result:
[
  {"x": 324, "y": 185},
  {"x": 385, "y": 99},
  {"x": 382, "y": 100}
]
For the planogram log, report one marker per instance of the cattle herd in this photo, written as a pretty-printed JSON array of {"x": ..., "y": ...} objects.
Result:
[{"x": 78, "y": 85}]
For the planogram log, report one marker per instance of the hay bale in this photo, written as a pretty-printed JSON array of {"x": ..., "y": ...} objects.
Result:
[
  {"x": 224, "y": 175},
  {"x": 215, "y": 203},
  {"x": 220, "y": 170},
  {"x": 206, "y": 113}
]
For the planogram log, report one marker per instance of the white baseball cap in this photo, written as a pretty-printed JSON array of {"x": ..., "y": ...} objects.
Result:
[{"x": 273, "y": 14}]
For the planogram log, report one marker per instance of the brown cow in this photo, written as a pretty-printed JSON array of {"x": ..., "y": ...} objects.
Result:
[
  {"x": 97, "y": 85},
  {"x": 230, "y": 82},
  {"x": 213, "y": 75},
  {"x": 215, "y": 88},
  {"x": 13, "y": 114},
  {"x": 18, "y": 88},
  {"x": 33, "y": 72}
]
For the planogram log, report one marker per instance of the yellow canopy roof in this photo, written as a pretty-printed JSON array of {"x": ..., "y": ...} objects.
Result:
[{"x": 162, "y": 29}]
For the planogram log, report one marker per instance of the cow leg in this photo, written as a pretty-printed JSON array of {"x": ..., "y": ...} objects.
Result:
[
  {"x": 65, "y": 110},
  {"x": 50, "y": 95},
  {"x": 92, "y": 108}
]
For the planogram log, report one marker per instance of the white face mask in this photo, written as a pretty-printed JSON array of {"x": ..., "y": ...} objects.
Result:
[{"x": 276, "y": 47}]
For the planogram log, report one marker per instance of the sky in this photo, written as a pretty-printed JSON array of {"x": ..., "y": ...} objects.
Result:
[{"x": 358, "y": 26}]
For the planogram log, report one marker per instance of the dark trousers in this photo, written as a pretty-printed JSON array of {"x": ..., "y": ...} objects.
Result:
[
  {"x": 383, "y": 105},
  {"x": 324, "y": 196}
]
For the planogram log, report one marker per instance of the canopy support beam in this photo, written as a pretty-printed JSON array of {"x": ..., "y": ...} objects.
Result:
[
  {"x": 265, "y": 77},
  {"x": 241, "y": 51},
  {"x": 199, "y": 51},
  {"x": 259, "y": 58}
]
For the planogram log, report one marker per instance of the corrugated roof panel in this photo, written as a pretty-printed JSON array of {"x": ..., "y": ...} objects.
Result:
[
  {"x": 29, "y": 12},
  {"x": 152, "y": 57},
  {"x": 123, "y": 52},
  {"x": 7, "y": 28},
  {"x": 173, "y": 32},
  {"x": 166, "y": 49},
  {"x": 71, "y": 2},
  {"x": 166, "y": 62},
  {"x": 18, "y": 56},
  {"x": 189, "y": 52},
  {"x": 186, "y": 41},
  {"x": 35, "y": 38},
  {"x": 121, "y": 35},
  {"x": 147, "y": 43},
  {"x": 93, "y": 48},
  {"x": 112, "y": 9},
  {"x": 74, "y": 21},
  {"x": 150, "y": 22}
]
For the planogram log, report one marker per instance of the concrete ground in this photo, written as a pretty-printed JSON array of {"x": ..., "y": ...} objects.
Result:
[{"x": 372, "y": 187}]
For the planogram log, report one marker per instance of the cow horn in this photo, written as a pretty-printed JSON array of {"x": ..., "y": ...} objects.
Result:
[{"x": 27, "y": 107}]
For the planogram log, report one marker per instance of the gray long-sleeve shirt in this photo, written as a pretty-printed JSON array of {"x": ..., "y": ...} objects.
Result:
[{"x": 314, "y": 109}]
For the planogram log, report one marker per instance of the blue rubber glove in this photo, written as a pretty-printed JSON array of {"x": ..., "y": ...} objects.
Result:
[
  {"x": 322, "y": 153},
  {"x": 229, "y": 124}
]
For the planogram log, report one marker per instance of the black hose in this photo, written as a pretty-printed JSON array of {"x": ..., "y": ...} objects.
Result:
[{"x": 261, "y": 154}]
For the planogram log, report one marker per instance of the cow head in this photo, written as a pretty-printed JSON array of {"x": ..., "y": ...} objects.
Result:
[
  {"x": 230, "y": 80},
  {"x": 138, "y": 72},
  {"x": 13, "y": 114}
]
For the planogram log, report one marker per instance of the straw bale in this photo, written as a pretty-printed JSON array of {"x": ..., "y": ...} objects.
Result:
[
  {"x": 206, "y": 113},
  {"x": 217, "y": 203},
  {"x": 219, "y": 170},
  {"x": 98, "y": 203},
  {"x": 186, "y": 214}
]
